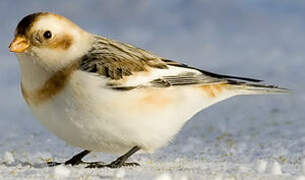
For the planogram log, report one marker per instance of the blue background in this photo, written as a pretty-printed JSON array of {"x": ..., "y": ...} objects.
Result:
[{"x": 263, "y": 39}]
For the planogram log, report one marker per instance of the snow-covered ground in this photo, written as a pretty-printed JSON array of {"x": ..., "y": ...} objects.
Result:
[{"x": 255, "y": 137}]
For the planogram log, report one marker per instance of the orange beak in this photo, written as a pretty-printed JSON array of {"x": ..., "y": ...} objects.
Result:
[{"x": 19, "y": 44}]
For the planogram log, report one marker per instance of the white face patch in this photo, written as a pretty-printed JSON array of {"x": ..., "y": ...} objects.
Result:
[
  {"x": 67, "y": 43},
  {"x": 51, "y": 23}
]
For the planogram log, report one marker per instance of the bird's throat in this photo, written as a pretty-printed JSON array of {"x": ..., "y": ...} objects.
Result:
[
  {"x": 32, "y": 74},
  {"x": 39, "y": 85}
]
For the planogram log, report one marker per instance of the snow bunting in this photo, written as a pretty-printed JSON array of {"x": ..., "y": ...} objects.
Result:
[{"x": 107, "y": 96}]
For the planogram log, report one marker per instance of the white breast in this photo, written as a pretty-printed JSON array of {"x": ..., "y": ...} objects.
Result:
[{"x": 89, "y": 115}]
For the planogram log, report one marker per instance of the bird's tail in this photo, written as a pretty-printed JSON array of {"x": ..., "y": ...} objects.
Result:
[{"x": 256, "y": 88}]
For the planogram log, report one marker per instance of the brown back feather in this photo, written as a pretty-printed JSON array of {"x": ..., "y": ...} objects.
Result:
[{"x": 115, "y": 59}]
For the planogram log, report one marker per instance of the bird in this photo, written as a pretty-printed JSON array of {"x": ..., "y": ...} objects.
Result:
[{"x": 103, "y": 95}]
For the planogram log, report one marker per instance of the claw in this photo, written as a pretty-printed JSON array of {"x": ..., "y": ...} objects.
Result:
[
  {"x": 113, "y": 165},
  {"x": 52, "y": 164}
]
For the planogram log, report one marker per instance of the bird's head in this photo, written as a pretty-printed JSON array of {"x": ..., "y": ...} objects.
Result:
[{"x": 51, "y": 40}]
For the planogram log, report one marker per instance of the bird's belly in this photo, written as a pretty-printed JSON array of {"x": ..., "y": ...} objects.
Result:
[
  {"x": 95, "y": 118},
  {"x": 75, "y": 122}
]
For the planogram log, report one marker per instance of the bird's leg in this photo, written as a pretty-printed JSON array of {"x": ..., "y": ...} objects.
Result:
[
  {"x": 76, "y": 160},
  {"x": 121, "y": 161}
]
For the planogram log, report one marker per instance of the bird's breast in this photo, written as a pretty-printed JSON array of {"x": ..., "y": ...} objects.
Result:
[{"x": 48, "y": 89}]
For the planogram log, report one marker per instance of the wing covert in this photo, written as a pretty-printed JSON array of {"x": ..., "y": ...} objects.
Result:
[
  {"x": 127, "y": 67},
  {"x": 115, "y": 60}
]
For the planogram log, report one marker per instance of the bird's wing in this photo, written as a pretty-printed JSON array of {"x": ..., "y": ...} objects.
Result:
[
  {"x": 128, "y": 67},
  {"x": 115, "y": 60}
]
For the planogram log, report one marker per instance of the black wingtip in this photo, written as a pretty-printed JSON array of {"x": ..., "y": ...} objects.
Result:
[
  {"x": 174, "y": 63},
  {"x": 240, "y": 78},
  {"x": 229, "y": 77}
]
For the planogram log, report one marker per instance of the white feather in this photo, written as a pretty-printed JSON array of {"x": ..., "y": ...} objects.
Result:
[
  {"x": 56, "y": 59},
  {"x": 89, "y": 114},
  {"x": 145, "y": 77},
  {"x": 92, "y": 116}
]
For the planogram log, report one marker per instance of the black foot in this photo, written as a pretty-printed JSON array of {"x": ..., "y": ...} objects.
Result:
[
  {"x": 113, "y": 165},
  {"x": 52, "y": 164},
  {"x": 121, "y": 161},
  {"x": 75, "y": 160}
]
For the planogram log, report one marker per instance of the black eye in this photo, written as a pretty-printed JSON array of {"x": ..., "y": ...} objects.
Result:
[{"x": 47, "y": 34}]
